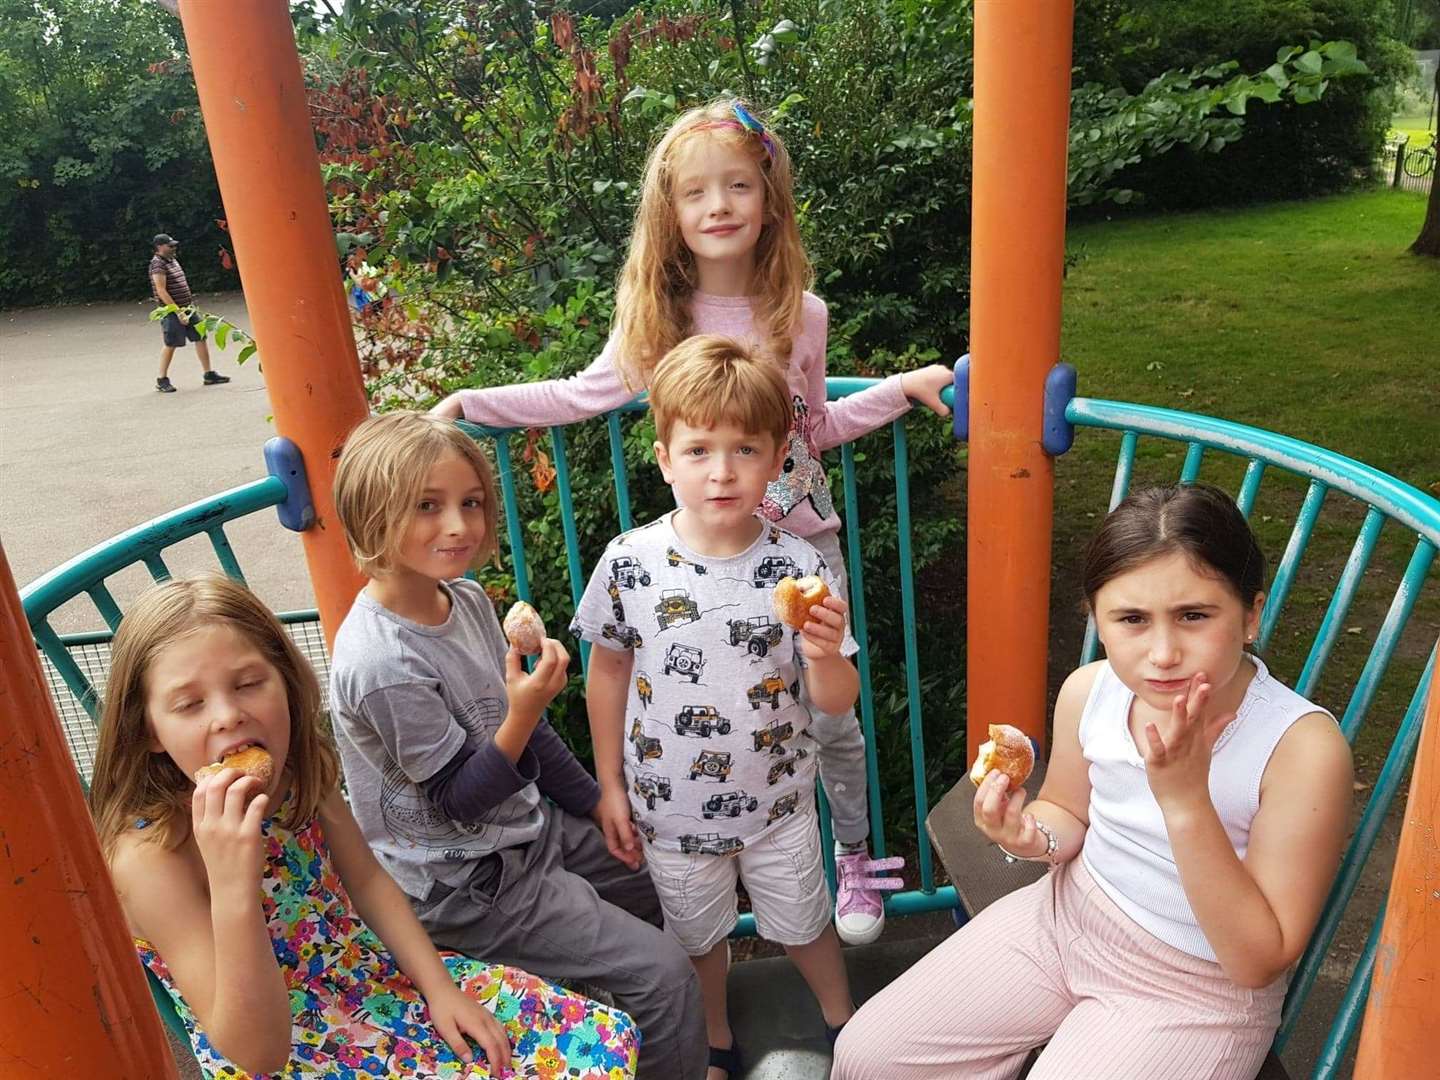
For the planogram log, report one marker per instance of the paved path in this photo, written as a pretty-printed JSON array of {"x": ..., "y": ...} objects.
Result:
[{"x": 89, "y": 449}]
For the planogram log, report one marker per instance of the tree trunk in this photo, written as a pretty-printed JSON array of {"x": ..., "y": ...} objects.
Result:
[{"x": 1428, "y": 242}]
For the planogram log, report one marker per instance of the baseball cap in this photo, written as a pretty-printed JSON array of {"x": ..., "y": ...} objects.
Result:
[{"x": 163, "y": 238}]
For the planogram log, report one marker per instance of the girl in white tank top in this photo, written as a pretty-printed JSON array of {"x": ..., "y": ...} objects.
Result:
[{"x": 1207, "y": 805}]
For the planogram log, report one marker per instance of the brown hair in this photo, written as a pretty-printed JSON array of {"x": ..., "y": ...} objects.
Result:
[
  {"x": 133, "y": 781},
  {"x": 1197, "y": 519},
  {"x": 707, "y": 380},
  {"x": 652, "y": 312},
  {"x": 382, "y": 473}
]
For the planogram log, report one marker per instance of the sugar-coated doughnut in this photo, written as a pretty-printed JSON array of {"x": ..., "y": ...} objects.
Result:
[
  {"x": 524, "y": 628},
  {"x": 252, "y": 761},
  {"x": 1009, "y": 750},
  {"x": 794, "y": 598}
]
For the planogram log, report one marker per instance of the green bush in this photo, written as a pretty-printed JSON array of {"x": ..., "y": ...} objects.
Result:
[
  {"x": 482, "y": 165},
  {"x": 1288, "y": 151}
]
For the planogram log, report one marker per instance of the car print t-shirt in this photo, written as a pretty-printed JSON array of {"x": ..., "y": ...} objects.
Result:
[{"x": 717, "y": 743}]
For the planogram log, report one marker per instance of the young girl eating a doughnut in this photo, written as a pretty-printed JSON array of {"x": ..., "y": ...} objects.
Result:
[
  {"x": 1193, "y": 813},
  {"x": 716, "y": 249},
  {"x": 251, "y": 893},
  {"x": 469, "y": 798}
]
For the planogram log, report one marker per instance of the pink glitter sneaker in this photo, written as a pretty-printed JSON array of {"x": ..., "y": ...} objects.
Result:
[{"x": 859, "y": 909}]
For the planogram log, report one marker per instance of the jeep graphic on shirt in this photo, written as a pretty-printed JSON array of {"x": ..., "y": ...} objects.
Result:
[{"x": 717, "y": 744}]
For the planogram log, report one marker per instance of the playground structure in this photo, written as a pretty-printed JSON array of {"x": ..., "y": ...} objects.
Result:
[{"x": 249, "y": 81}]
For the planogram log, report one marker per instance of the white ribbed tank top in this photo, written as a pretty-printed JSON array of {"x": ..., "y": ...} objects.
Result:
[{"x": 1127, "y": 849}]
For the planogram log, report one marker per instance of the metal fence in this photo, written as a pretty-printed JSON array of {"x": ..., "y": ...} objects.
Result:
[{"x": 1408, "y": 165}]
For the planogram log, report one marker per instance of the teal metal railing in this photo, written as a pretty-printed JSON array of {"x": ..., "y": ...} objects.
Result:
[
  {"x": 89, "y": 571},
  {"x": 928, "y": 897},
  {"x": 1388, "y": 502}
]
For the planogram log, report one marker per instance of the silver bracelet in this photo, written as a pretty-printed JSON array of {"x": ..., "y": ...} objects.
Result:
[{"x": 1052, "y": 845}]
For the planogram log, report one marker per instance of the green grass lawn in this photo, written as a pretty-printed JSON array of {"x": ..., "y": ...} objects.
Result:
[
  {"x": 1309, "y": 319},
  {"x": 1417, "y": 127}
]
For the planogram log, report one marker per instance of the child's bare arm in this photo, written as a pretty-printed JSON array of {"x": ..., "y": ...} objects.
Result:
[
  {"x": 1063, "y": 802},
  {"x": 831, "y": 680},
  {"x": 1258, "y": 913},
  {"x": 925, "y": 384},
  {"x": 385, "y": 908},
  {"x": 606, "y": 691},
  {"x": 217, "y": 947},
  {"x": 529, "y": 694}
]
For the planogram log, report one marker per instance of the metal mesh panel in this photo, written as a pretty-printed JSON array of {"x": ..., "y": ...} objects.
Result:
[
  {"x": 80, "y": 732},
  {"x": 311, "y": 640}
]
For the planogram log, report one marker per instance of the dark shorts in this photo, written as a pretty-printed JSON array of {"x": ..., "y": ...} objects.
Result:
[{"x": 177, "y": 333}]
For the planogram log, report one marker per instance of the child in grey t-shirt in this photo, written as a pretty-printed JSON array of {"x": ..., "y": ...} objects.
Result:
[{"x": 447, "y": 753}]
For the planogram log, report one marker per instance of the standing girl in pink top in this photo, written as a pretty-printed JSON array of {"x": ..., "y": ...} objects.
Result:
[{"x": 716, "y": 250}]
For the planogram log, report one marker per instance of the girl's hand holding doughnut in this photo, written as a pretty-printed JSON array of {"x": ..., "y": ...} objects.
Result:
[
  {"x": 999, "y": 814},
  {"x": 1177, "y": 757},
  {"x": 226, "y": 811}
]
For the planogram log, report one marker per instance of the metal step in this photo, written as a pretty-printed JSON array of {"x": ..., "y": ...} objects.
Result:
[{"x": 776, "y": 1021}]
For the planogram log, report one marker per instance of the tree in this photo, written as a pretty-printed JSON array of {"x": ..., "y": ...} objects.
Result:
[
  {"x": 101, "y": 146},
  {"x": 1428, "y": 242}
]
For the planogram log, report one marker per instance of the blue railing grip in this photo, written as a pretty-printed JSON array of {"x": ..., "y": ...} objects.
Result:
[
  {"x": 283, "y": 461},
  {"x": 1057, "y": 433},
  {"x": 960, "y": 410}
]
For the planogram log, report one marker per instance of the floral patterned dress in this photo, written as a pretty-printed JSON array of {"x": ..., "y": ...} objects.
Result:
[{"x": 356, "y": 1015}]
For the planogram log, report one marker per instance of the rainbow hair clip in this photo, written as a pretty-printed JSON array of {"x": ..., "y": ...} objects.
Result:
[{"x": 755, "y": 127}]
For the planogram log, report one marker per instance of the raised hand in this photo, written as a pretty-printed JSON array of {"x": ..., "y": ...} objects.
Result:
[
  {"x": 1177, "y": 756},
  {"x": 530, "y": 693},
  {"x": 824, "y": 632},
  {"x": 226, "y": 811}
]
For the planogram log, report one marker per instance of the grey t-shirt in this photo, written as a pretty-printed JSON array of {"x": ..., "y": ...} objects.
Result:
[
  {"x": 717, "y": 748},
  {"x": 404, "y": 699}
]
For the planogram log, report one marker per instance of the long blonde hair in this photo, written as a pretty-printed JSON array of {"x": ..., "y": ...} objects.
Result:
[
  {"x": 133, "y": 781},
  {"x": 652, "y": 311}
]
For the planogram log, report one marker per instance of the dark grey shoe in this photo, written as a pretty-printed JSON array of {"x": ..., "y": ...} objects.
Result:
[
  {"x": 164, "y": 385},
  {"x": 214, "y": 378}
]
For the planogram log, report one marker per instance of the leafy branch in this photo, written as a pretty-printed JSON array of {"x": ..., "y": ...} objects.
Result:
[
  {"x": 1112, "y": 129},
  {"x": 210, "y": 325}
]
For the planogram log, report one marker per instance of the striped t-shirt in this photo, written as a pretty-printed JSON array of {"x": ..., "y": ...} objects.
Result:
[{"x": 175, "y": 283}]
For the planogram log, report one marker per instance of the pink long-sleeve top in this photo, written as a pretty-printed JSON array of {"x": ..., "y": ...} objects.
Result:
[{"x": 800, "y": 499}]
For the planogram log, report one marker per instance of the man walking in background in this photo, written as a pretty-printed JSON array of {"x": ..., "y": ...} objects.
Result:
[{"x": 168, "y": 286}]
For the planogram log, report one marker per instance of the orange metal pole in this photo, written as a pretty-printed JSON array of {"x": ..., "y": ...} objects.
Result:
[
  {"x": 1022, "y": 115},
  {"x": 252, "y": 96},
  {"x": 74, "y": 999},
  {"x": 1404, "y": 1006}
]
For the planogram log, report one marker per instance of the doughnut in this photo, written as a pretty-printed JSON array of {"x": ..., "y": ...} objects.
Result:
[
  {"x": 1008, "y": 750},
  {"x": 524, "y": 628},
  {"x": 252, "y": 761},
  {"x": 793, "y": 599}
]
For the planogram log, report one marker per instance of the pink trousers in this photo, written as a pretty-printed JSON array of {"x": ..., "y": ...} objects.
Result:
[{"x": 1057, "y": 962}]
